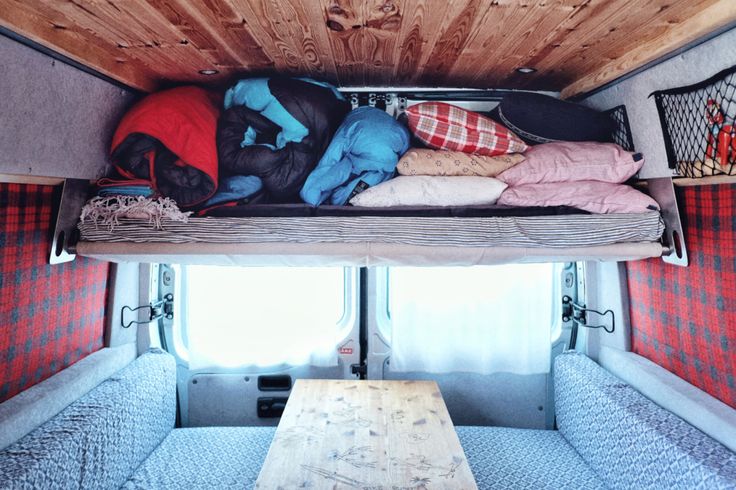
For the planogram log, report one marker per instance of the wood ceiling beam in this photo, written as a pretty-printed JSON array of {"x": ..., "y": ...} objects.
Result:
[
  {"x": 575, "y": 45},
  {"x": 716, "y": 16},
  {"x": 37, "y": 23}
]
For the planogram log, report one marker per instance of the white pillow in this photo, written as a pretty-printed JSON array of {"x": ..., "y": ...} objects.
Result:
[{"x": 430, "y": 190}]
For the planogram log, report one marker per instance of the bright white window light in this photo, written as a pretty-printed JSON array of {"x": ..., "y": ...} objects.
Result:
[
  {"x": 473, "y": 319},
  {"x": 263, "y": 316}
]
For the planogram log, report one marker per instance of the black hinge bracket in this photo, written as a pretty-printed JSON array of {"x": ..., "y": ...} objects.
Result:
[
  {"x": 578, "y": 314},
  {"x": 163, "y": 308}
]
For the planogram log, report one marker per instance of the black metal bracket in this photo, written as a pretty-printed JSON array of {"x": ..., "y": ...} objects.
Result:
[
  {"x": 578, "y": 314},
  {"x": 163, "y": 308},
  {"x": 394, "y": 99}
]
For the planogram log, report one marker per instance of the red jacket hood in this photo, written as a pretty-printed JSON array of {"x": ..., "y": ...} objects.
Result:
[{"x": 184, "y": 119}]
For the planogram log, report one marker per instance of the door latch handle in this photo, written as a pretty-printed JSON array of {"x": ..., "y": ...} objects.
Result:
[
  {"x": 578, "y": 314},
  {"x": 163, "y": 308}
]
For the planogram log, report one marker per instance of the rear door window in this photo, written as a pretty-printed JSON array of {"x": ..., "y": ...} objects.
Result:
[
  {"x": 481, "y": 319},
  {"x": 263, "y": 316}
]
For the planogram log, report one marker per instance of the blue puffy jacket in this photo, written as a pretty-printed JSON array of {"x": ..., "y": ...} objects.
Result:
[
  {"x": 277, "y": 129},
  {"x": 366, "y": 147}
]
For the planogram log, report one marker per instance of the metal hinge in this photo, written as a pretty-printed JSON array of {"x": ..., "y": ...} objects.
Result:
[
  {"x": 673, "y": 239},
  {"x": 64, "y": 240},
  {"x": 578, "y": 314},
  {"x": 163, "y": 308}
]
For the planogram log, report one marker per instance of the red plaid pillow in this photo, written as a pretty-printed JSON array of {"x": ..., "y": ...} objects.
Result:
[{"x": 447, "y": 127}]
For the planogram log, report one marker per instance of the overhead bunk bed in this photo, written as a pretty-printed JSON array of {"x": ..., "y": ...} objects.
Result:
[
  {"x": 388, "y": 239},
  {"x": 569, "y": 49},
  {"x": 302, "y": 234}
]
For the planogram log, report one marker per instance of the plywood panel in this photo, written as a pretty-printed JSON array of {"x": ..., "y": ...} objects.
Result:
[
  {"x": 515, "y": 37},
  {"x": 288, "y": 29},
  {"x": 420, "y": 28},
  {"x": 695, "y": 22},
  {"x": 345, "y": 20},
  {"x": 43, "y": 25},
  {"x": 584, "y": 29},
  {"x": 366, "y": 434},
  {"x": 383, "y": 21},
  {"x": 455, "y": 35},
  {"x": 143, "y": 35},
  {"x": 575, "y": 45},
  {"x": 598, "y": 35},
  {"x": 217, "y": 30}
]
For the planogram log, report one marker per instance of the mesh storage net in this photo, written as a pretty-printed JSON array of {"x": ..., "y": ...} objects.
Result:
[
  {"x": 622, "y": 130},
  {"x": 699, "y": 127}
]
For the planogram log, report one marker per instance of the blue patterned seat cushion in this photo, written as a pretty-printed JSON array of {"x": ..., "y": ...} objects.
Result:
[
  {"x": 503, "y": 458},
  {"x": 99, "y": 440},
  {"x": 629, "y": 441},
  {"x": 205, "y": 458}
]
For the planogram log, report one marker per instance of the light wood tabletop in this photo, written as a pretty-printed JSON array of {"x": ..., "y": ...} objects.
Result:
[{"x": 388, "y": 435}]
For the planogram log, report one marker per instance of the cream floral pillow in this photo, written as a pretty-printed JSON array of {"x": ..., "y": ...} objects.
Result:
[
  {"x": 426, "y": 190},
  {"x": 419, "y": 161}
]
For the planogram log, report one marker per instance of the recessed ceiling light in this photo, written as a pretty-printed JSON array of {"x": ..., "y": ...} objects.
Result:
[
  {"x": 526, "y": 70},
  {"x": 208, "y": 72}
]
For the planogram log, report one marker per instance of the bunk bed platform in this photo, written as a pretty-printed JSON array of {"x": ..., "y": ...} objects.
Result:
[{"x": 377, "y": 240}]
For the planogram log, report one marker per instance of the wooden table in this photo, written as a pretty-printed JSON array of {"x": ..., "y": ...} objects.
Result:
[{"x": 368, "y": 435}]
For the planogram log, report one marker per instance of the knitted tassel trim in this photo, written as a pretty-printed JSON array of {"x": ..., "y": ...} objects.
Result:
[{"x": 108, "y": 210}]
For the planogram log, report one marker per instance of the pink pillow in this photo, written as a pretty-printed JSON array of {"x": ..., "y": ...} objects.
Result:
[
  {"x": 595, "y": 197},
  {"x": 567, "y": 161}
]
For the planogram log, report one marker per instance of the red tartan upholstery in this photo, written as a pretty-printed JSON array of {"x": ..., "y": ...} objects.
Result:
[
  {"x": 684, "y": 319},
  {"x": 447, "y": 127},
  {"x": 50, "y": 316}
]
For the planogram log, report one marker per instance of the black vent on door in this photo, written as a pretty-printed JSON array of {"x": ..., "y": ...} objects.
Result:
[{"x": 279, "y": 382}]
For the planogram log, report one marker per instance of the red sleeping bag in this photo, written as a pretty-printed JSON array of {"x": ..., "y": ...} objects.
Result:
[{"x": 169, "y": 139}]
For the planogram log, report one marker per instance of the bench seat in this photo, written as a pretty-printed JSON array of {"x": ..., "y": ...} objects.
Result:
[
  {"x": 122, "y": 433},
  {"x": 503, "y": 458},
  {"x": 205, "y": 458},
  {"x": 98, "y": 441},
  {"x": 629, "y": 441}
]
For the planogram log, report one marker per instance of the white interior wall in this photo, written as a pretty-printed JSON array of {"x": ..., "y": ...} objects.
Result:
[{"x": 691, "y": 66}]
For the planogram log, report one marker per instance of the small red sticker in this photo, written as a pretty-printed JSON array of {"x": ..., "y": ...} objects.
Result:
[{"x": 345, "y": 350}]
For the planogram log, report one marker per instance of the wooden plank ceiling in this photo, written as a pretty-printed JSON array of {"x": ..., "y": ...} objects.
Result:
[{"x": 575, "y": 45}]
